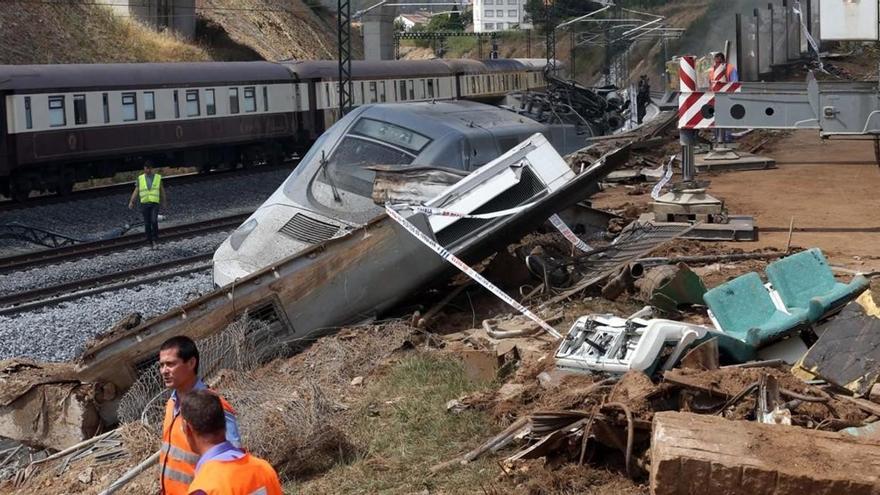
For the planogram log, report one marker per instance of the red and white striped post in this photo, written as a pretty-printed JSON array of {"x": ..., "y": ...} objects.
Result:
[{"x": 687, "y": 101}]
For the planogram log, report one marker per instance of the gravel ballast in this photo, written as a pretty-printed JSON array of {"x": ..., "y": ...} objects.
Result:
[
  {"x": 110, "y": 263},
  {"x": 58, "y": 333},
  {"x": 93, "y": 218}
]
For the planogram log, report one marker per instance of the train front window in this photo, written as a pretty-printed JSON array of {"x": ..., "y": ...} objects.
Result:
[
  {"x": 370, "y": 142},
  {"x": 57, "y": 117}
]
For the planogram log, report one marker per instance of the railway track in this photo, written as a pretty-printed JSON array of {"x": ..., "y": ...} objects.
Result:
[
  {"x": 46, "y": 296},
  {"x": 102, "y": 191},
  {"x": 35, "y": 259}
]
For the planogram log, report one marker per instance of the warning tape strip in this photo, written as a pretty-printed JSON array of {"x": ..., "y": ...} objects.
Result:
[
  {"x": 655, "y": 192},
  {"x": 440, "y": 212},
  {"x": 568, "y": 234},
  {"x": 467, "y": 270},
  {"x": 557, "y": 222}
]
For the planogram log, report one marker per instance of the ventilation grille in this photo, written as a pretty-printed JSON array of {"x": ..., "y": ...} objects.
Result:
[
  {"x": 309, "y": 230},
  {"x": 526, "y": 190}
]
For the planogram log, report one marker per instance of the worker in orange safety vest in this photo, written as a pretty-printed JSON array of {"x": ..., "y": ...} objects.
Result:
[
  {"x": 179, "y": 367},
  {"x": 722, "y": 72},
  {"x": 223, "y": 469}
]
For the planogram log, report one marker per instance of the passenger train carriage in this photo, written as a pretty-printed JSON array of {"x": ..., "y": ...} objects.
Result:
[{"x": 68, "y": 123}]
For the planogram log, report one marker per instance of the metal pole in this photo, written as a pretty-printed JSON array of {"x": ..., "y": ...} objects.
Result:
[
  {"x": 772, "y": 36},
  {"x": 757, "y": 44},
  {"x": 528, "y": 43},
  {"x": 738, "y": 49},
  {"x": 688, "y": 139},
  {"x": 571, "y": 38},
  {"x": 787, "y": 34},
  {"x": 343, "y": 39}
]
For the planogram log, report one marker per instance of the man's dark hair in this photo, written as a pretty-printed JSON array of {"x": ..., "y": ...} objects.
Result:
[
  {"x": 721, "y": 55},
  {"x": 204, "y": 412},
  {"x": 148, "y": 163},
  {"x": 186, "y": 348}
]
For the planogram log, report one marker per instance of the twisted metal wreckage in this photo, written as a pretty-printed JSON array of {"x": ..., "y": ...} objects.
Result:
[{"x": 315, "y": 291}]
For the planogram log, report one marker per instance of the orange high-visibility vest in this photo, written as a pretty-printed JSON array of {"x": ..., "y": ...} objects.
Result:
[
  {"x": 177, "y": 463},
  {"x": 246, "y": 476},
  {"x": 720, "y": 73}
]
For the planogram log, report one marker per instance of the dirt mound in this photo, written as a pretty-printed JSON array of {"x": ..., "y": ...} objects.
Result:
[
  {"x": 276, "y": 30},
  {"x": 77, "y": 32}
]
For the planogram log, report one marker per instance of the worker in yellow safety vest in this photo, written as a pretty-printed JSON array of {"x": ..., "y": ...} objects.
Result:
[
  {"x": 223, "y": 468},
  {"x": 150, "y": 191},
  {"x": 179, "y": 367}
]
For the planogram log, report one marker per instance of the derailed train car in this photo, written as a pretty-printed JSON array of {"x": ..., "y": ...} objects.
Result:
[{"x": 67, "y": 123}]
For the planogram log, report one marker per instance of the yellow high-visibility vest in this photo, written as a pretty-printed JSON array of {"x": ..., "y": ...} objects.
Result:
[{"x": 150, "y": 195}]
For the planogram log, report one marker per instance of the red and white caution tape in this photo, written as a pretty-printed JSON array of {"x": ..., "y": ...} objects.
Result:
[
  {"x": 727, "y": 87},
  {"x": 467, "y": 270},
  {"x": 568, "y": 234}
]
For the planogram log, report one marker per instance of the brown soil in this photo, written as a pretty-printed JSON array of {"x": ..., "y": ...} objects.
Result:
[{"x": 829, "y": 188}]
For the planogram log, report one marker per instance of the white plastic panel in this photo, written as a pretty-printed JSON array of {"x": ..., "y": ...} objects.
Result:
[{"x": 849, "y": 19}]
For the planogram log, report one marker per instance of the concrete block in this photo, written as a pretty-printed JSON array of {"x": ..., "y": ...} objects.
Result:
[{"x": 698, "y": 454}]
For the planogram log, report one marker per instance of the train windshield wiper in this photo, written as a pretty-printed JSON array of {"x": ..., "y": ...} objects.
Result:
[{"x": 328, "y": 179}]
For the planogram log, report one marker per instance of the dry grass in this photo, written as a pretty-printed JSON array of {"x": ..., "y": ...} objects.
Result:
[{"x": 79, "y": 33}]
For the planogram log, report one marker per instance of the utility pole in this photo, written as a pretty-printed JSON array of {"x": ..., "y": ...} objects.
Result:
[
  {"x": 343, "y": 39},
  {"x": 550, "y": 33}
]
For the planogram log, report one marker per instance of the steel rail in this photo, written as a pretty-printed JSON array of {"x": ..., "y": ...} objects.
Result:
[
  {"x": 102, "y": 191},
  {"x": 51, "y": 256},
  {"x": 108, "y": 287},
  {"x": 16, "y": 298}
]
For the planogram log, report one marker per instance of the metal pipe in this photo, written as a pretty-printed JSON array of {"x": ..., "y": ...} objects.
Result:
[
  {"x": 710, "y": 258},
  {"x": 688, "y": 140}
]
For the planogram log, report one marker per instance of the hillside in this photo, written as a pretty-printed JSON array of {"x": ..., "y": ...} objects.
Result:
[
  {"x": 275, "y": 30},
  {"x": 41, "y": 33},
  {"x": 82, "y": 32},
  {"x": 645, "y": 58}
]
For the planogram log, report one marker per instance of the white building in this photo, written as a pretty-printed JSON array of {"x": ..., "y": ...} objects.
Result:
[
  {"x": 409, "y": 21},
  {"x": 175, "y": 15},
  {"x": 500, "y": 15}
]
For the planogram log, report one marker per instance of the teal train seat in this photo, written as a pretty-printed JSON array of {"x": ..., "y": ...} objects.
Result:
[
  {"x": 745, "y": 311},
  {"x": 805, "y": 278}
]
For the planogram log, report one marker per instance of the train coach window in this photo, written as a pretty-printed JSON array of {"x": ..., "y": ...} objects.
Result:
[
  {"x": 210, "y": 104},
  {"x": 382, "y": 91},
  {"x": 129, "y": 107},
  {"x": 233, "y": 100},
  {"x": 28, "y": 118},
  {"x": 57, "y": 117},
  {"x": 265, "y": 98},
  {"x": 410, "y": 85},
  {"x": 105, "y": 101},
  {"x": 250, "y": 99},
  {"x": 402, "y": 90},
  {"x": 176, "y": 104},
  {"x": 149, "y": 105},
  {"x": 192, "y": 103},
  {"x": 79, "y": 109},
  {"x": 374, "y": 92},
  {"x": 430, "y": 88}
]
